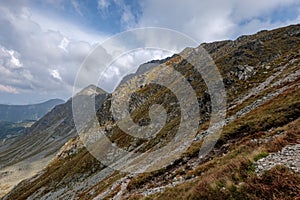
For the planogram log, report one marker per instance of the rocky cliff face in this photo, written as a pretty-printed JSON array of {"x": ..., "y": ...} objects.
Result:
[{"x": 261, "y": 76}]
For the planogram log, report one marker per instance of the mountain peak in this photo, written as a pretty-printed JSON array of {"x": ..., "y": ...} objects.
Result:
[{"x": 91, "y": 90}]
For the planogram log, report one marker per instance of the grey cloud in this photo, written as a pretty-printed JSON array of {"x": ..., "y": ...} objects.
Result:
[
  {"x": 210, "y": 20},
  {"x": 128, "y": 63},
  {"x": 39, "y": 52}
]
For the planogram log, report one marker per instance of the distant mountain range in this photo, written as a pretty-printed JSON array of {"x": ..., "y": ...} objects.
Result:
[{"x": 20, "y": 113}]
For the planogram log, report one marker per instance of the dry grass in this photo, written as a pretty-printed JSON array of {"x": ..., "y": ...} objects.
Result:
[
  {"x": 278, "y": 183},
  {"x": 232, "y": 176},
  {"x": 275, "y": 113}
]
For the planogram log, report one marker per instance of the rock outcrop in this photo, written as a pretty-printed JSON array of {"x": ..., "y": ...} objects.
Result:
[{"x": 288, "y": 156}]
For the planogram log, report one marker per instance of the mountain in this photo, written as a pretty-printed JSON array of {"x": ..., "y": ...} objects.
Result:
[
  {"x": 142, "y": 69},
  {"x": 19, "y": 113},
  {"x": 91, "y": 90},
  {"x": 10, "y": 129},
  {"x": 255, "y": 157},
  {"x": 26, "y": 154}
]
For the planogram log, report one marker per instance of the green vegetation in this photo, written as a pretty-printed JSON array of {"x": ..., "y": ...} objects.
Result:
[
  {"x": 275, "y": 113},
  {"x": 260, "y": 156}
]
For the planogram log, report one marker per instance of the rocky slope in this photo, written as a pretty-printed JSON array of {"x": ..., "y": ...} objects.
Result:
[
  {"x": 288, "y": 156},
  {"x": 261, "y": 76},
  {"x": 142, "y": 69}
]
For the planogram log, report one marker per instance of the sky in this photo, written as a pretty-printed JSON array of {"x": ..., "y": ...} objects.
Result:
[{"x": 44, "y": 42}]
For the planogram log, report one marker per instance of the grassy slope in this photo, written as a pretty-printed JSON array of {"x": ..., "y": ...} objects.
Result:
[{"x": 234, "y": 176}]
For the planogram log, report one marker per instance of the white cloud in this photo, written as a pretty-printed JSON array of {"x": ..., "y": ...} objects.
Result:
[
  {"x": 15, "y": 61},
  {"x": 211, "y": 20},
  {"x": 257, "y": 24},
  {"x": 128, "y": 63},
  {"x": 55, "y": 74},
  {"x": 127, "y": 18},
  {"x": 242, "y": 10},
  {"x": 103, "y": 4},
  {"x": 10, "y": 58},
  {"x": 76, "y": 7},
  {"x": 64, "y": 44},
  {"x": 41, "y": 54},
  {"x": 66, "y": 28},
  {"x": 8, "y": 89},
  {"x": 35, "y": 59}
]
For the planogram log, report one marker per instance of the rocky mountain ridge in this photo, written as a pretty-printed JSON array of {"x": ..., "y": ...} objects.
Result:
[{"x": 261, "y": 76}]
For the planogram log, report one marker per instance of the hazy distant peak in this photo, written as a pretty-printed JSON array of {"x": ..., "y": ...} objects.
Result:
[
  {"x": 55, "y": 101},
  {"x": 19, "y": 113}
]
